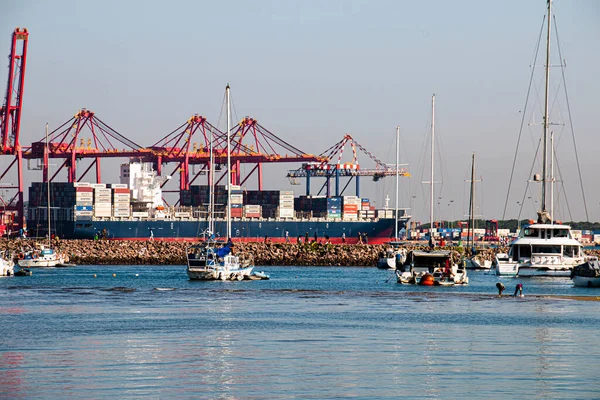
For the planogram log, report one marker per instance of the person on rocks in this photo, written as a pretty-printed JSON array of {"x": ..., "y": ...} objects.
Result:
[
  {"x": 360, "y": 240},
  {"x": 366, "y": 238},
  {"x": 343, "y": 237},
  {"x": 306, "y": 238},
  {"x": 316, "y": 237},
  {"x": 287, "y": 236}
]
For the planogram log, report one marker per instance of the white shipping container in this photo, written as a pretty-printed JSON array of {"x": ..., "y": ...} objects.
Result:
[
  {"x": 83, "y": 213},
  {"x": 286, "y": 204},
  {"x": 98, "y": 185},
  {"x": 118, "y": 185},
  {"x": 237, "y": 199},
  {"x": 102, "y": 190},
  {"x": 286, "y": 213},
  {"x": 350, "y": 217},
  {"x": 252, "y": 207},
  {"x": 140, "y": 214},
  {"x": 81, "y": 184},
  {"x": 102, "y": 213},
  {"x": 286, "y": 197},
  {"x": 287, "y": 193},
  {"x": 101, "y": 206},
  {"x": 182, "y": 214}
]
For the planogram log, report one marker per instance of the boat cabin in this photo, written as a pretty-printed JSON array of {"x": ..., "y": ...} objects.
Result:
[
  {"x": 545, "y": 243},
  {"x": 426, "y": 261}
]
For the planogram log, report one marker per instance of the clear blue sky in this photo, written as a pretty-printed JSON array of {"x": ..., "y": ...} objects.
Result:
[{"x": 312, "y": 71}]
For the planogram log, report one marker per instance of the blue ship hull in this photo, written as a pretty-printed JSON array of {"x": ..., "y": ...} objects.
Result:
[{"x": 381, "y": 229}]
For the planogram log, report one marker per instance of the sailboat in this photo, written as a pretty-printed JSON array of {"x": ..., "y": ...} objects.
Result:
[
  {"x": 434, "y": 267},
  {"x": 44, "y": 256},
  {"x": 472, "y": 262},
  {"x": 215, "y": 260},
  {"x": 543, "y": 248},
  {"x": 394, "y": 255}
]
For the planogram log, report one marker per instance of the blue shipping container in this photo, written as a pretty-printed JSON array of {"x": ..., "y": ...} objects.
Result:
[{"x": 83, "y": 208}]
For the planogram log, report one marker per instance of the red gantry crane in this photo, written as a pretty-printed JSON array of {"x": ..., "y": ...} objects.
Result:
[
  {"x": 352, "y": 169},
  {"x": 10, "y": 124}
]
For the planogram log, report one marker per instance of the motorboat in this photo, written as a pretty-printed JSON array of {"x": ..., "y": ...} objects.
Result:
[
  {"x": 394, "y": 256},
  {"x": 434, "y": 268},
  {"x": 542, "y": 249},
  {"x": 214, "y": 260},
  {"x": 7, "y": 265},
  {"x": 587, "y": 274}
]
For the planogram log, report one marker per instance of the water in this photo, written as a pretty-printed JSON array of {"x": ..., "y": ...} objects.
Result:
[{"x": 309, "y": 332}]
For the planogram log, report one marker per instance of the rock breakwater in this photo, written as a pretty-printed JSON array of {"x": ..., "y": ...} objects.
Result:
[{"x": 159, "y": 252}]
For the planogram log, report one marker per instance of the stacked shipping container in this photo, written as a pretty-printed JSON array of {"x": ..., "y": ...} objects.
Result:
[
  {"x": 121, "y": 199},
  {"x": 102, "y": 201}
]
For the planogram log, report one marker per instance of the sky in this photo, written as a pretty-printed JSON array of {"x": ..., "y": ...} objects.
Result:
[{"x": 313, "y": 71}]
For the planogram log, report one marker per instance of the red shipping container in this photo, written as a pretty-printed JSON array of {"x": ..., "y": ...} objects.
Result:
[
  {"x": 80, "y": 189},
  {"x": 121, "y": 190}
]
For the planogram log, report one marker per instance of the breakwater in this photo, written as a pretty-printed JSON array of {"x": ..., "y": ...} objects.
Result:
[{"x": 158, "y": 252}]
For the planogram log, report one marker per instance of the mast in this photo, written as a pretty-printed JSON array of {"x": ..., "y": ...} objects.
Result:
[
  {"x": 432, "y": 164},
  {"x": 397, "y": 164},
  {"x": 211, "y": 188},
  {"x": 546, "y": 109},
  {"x": 552, "y": 177},
  {"x": 471, "y": 232},
  {"x": 48, "y": 191},
  {"x": 228, "y": 164}
]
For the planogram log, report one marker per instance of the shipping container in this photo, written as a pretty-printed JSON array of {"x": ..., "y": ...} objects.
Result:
[{"x": 140, "y": 214}]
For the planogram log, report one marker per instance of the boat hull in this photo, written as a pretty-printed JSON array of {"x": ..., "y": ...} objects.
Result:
[
  {"x": 38, "y": 263},
  {"x": 586, "y": 281},
  {"x": 219, "y": 274},
  {"x": 378, "y": 231}
]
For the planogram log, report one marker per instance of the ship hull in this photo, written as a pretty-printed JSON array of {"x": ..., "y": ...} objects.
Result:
[{"x": 378, "y": 231}]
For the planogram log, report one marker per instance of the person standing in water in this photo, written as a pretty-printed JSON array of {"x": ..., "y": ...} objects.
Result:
[
  {"x": 519, "y": 290},
  {"x": 501, "y": 288}
]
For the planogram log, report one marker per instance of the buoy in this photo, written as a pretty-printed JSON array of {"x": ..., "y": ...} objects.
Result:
[
  {"x": 114, "y": 275},
  {"x": 426, "y": 280},
  {"x": 94, "y": 275},
  {"x": 137, "y": 274}
]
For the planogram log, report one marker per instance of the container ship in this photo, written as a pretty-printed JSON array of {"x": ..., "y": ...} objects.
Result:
[{"x": 134, "y": 209}]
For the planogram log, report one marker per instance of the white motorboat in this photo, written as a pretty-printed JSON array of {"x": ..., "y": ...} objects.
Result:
[
  {"x": 541, "y": 250},
  {"x": 7, "y": 265},
  {"x": 438, "y": 264},
  {"x": 393, "y": 257},
  {"x": 587, "y": 274}
]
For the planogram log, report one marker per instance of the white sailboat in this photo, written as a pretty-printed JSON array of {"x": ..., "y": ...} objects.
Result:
[
  {"x": 43, "y": 256},
  {"x": 394, "y": 255},
  {"x": 211, "y": 259},
  {"x": 473, "y": 262},
  {"x": 543, "y": 248}
]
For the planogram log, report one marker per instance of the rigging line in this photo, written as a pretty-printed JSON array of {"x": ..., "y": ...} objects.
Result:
[
  {"x": 527, "y": 187},
  {"x": 563, "y": 186},
  {"x": 512, "y": 172},
  {"x": 562, "y": 69}
]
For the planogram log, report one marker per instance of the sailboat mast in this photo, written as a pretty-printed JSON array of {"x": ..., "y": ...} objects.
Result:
[
  {"x": 211, "y": 186},
  {"x": 432, "y": 164},
  {"x": 397, "y": 165},
  {"x": 228, "y": 164},
  {"x": 546, "y": 108},
  {"x": 471, "y": 235},
  {"x": 552, "y": 177},
  {"x": 48, "y": 189}
]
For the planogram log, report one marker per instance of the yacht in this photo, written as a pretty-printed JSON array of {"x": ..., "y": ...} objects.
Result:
[{"x": 542, "y": 249}]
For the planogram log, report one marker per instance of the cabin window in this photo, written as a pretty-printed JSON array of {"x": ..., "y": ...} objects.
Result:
[
  {"x": 546, "y": 249},
  {"x": 524, "y": 251},
  {"x": 529, "y": 232},
  {"x": 561, "y": 233},
  {"x": 571, "y": 251},
  {"x": 78, "y": 225}
]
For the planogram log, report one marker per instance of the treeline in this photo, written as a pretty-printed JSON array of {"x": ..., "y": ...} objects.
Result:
[{"x": 513, "y": 224}]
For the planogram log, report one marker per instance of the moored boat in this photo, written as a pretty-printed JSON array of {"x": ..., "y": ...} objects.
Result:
[
  {"x": 587, "y": 274},
  {"x": 431, "y": 268}
]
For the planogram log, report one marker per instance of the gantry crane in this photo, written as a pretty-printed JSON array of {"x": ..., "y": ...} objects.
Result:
[{"x": 326, "y": 170}]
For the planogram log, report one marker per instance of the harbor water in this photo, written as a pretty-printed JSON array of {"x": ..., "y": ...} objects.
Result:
[{"x": 308, "y": 332}]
